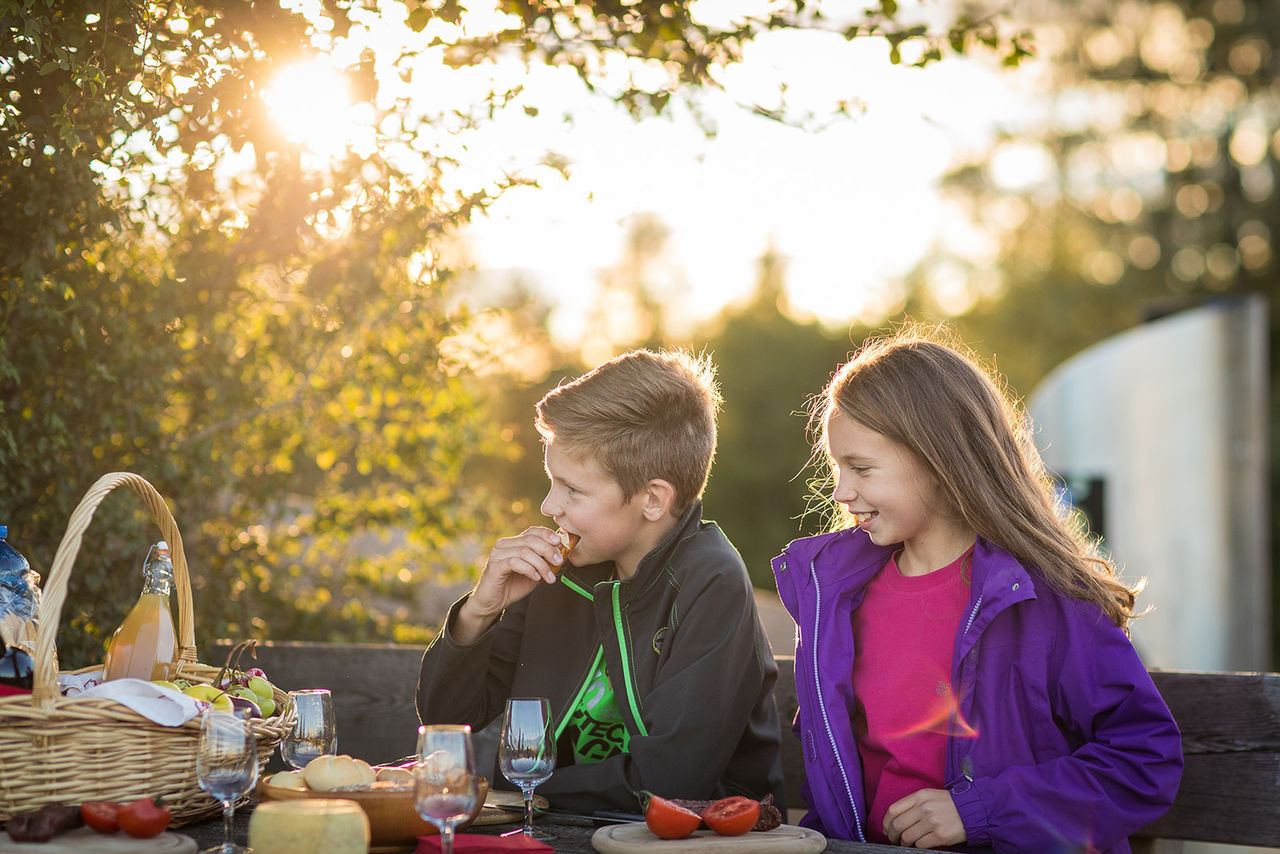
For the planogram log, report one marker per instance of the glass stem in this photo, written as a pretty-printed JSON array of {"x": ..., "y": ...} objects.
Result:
[
  {"x": 228, "y": 810},
  {"x": 528, "y": 812},
  {"x": 446, "y": 839}
]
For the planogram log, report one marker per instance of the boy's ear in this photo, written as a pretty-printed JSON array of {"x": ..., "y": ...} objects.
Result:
[{"x": 659, "y": 496}]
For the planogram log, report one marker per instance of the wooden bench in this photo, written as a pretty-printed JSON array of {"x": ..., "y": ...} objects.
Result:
[{"x": 1230, "y": 732}]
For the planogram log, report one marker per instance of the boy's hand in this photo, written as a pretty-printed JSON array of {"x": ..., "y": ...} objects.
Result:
[
  {"x": 515, "y": 566},
  {"x": 924, "y": 819}
]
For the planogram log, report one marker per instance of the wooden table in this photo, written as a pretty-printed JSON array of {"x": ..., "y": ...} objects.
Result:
[{"x": 573, "y": 834}]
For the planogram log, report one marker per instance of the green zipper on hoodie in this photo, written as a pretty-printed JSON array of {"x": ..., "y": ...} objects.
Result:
[
  {"x": 628, "y": 683},
  {"x": 577, "y": 698},
  {"x": 630, "y": 689}
]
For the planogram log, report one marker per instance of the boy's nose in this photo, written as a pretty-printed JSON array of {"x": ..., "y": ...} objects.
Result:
[{"x": 550, "y": 507}]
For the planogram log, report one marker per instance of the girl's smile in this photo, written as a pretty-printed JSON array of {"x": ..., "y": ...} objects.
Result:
[{"x": 893, "y": 497}]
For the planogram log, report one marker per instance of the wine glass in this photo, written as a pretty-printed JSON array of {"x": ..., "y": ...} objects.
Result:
[
  {"x": 445, "y": 786},
  {"x": 527, "y": 751},
  {"x": 316, "y": 731},
  {"x": 226, "y": 767}
]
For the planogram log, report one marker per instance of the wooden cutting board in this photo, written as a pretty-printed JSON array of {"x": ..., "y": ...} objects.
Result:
[
  {"x": 635, "y": 838},
  {"x": 86, "y": 840}
]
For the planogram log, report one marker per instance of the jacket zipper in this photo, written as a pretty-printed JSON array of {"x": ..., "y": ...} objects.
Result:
[
  {"x": 582, "y": 688},
  {"x": 591, "y": 668},
  {"x": 625, "y": 651},
  {"x": 959, "y": 783},
  {"x": 822, "y": 703}
]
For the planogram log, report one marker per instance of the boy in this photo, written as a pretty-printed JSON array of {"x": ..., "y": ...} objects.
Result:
[{"x": 645, "y": 638}]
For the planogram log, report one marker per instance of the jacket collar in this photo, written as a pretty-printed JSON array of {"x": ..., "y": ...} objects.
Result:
[
  {"x": 657, "y": 558},
  {"x": 848, "y": 559},
  {"x": 650, "y": 565},
  {"x": 999, "y": 580}
]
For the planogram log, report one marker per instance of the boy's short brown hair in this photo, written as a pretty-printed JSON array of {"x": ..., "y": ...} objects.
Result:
[{"x": 640, "y": 416}]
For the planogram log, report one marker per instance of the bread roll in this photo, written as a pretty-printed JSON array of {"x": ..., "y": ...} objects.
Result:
[
  {"x": 567, "y": 542},
  {"x": 287, "y": 780},
  {"x": 399, "y": 776},
  {"x": 327, "y": 773}
]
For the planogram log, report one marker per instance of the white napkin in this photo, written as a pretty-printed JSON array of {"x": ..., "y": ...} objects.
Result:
[
  {"x": 165, "y": 706},
  {"x": 75, "y": 684}
]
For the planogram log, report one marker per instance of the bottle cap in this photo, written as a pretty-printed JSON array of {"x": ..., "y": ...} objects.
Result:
[{"x": 4, "y": 531}]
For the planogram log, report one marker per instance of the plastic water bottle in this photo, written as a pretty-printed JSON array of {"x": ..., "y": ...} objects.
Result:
[{"x": 19, "y": 609}]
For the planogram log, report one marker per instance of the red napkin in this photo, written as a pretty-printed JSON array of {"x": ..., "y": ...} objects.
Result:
[{"x": 477, "y": 843}]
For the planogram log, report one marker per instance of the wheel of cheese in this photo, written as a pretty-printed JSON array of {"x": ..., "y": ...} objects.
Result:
[
  {"x": 326, "y": 773},
  {"x": 333, "y": 826}
]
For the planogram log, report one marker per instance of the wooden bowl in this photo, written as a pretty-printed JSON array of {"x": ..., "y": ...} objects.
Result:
[{"x": 394, "y": 823}]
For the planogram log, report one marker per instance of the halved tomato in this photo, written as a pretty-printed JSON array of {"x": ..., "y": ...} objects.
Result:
[
  {"x": 668, "y": 820},
  {"x": 732, "y": 816},
  {"x": 100, "y": 815}
]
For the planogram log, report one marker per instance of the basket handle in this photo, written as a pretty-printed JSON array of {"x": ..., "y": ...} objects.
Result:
[{"x": 45, "y": 684}]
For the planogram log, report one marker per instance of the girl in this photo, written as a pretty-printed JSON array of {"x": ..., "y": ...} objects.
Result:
[{"x": 963, "y": 669}]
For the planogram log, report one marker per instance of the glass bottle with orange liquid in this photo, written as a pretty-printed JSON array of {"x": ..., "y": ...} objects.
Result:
[{"x": 146, "y": 644}]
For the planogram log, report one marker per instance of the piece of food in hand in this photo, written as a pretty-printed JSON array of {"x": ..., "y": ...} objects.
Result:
[
  {"x": 101, "y": 815},
  {"x": 732, "y": 816},
  {"x": 144, "y": 818},
  {"x": 41, "y": 825},
  {"x": 666, "y": 819},
  {"x": 287, "y": 780},
  {"x": 327, "y": 773},
  {"x": 568, "y": 542}
]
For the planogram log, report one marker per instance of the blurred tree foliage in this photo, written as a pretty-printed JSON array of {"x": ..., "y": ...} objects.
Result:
[
  {"x": 268, "y": 333},
  {"x": 269, "y": 344},
  {"x": 1145, "y": 183},
  {"x": 770, "y": 367}
]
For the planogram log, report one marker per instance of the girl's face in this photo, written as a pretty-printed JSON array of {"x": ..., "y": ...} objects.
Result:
[{"x": 894, "y": 498}]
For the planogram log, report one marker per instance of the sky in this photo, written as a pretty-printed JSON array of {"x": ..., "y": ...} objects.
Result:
[{"x": 849, "y": 206}]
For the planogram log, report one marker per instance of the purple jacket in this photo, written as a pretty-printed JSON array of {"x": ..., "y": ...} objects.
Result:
[{"x": 1061, "y": 740}]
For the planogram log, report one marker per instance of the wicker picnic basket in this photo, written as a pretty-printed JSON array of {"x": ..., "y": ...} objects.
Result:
[{"x": 58, "y": 750}]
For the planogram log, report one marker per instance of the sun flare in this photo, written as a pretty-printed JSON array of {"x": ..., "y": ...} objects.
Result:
[{"x": 311, "y": 103}]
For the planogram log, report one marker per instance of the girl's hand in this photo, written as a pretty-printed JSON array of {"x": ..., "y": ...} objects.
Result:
[
  {"x": 924, "y": 819},
  {"x": 515, "y": 566}
]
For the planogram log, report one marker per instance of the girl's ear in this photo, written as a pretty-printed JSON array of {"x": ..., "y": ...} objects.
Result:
[{"x": 659, "y": 496}]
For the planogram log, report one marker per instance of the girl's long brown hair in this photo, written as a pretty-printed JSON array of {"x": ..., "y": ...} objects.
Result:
[{"x": 934, "y": 399}]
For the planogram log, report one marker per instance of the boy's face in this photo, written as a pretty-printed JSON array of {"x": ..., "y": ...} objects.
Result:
[{"x": 585, "y": 501}]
